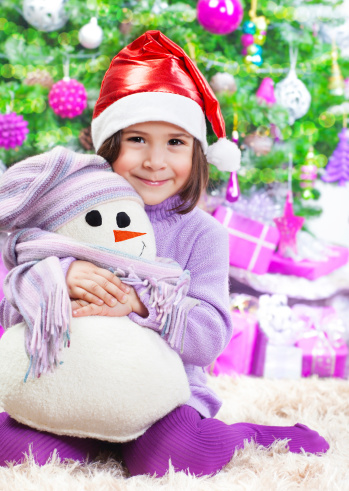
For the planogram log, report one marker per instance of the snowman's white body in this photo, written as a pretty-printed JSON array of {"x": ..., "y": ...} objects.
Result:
[{"x": 117, "y": 378}]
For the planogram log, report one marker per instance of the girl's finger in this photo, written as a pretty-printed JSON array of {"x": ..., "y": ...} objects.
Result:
[
  {"x": 106, "y": 290},
  {"x": 90, "y": 309},
  {"x": 82, "y": 294},
  {"x": 102, "y": 289},
  {"x": 108, "y": 275}
]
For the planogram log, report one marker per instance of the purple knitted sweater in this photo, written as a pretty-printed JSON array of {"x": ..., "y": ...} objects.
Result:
[{"x": 198, "y": 243}]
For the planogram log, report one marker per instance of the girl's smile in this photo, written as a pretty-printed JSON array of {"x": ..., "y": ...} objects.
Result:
[{"x": 156, "y": 159}]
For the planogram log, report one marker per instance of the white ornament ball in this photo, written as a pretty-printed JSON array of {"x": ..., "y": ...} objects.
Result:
[
  {"x": 223, "y": 82},
  {"x": 292, "y": 94},
  {"x": 45, "y": 15},
  {"x": 91, "y": 35}
]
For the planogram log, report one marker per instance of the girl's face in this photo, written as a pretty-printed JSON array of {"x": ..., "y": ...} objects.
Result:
[{"x": 156, "y": 159}]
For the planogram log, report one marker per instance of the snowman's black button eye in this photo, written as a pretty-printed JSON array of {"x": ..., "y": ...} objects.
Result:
[
  {"x": 94, "y": 218},
  {"x": 122, "y": 219}
]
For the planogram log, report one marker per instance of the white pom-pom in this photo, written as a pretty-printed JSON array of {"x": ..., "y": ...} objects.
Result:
[{"x": 225, "y": 155}]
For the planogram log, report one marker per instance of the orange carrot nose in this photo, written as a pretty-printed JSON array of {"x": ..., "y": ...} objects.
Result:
[{"x": 121, "y": 235}]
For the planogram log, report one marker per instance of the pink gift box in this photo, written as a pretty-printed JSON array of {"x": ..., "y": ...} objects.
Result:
[
  {"x": 238, "y": 355},
  {"x": 309, "y": 269},
  {"x": 251, "y": 243},
  {"x": 324, "y": 351},
  {"x": 321, "y": 357}
]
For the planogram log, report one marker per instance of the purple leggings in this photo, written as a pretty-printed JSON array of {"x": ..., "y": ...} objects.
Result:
[{"x": 200, "y": 446}]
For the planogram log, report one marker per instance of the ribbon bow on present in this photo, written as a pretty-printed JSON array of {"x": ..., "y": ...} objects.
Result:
[
  {"x": 278, "y": 321},
  {"x": 326, "y": 329}
]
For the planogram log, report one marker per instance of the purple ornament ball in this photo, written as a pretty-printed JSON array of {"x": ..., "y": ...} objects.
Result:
[
  {"x": 68, "y": 98},
  {"x": 219, "y": 16},
  {"x": 247, "y": 39},
  {"x": 13, "y": 130}
]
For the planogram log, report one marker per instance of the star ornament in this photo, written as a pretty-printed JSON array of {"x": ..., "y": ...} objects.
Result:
[{"x": 288, "y": 225}]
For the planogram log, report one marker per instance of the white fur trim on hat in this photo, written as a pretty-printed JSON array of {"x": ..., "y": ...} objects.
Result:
[
  {"x": 150, "y": 106},
  {"x": 225, "y": 155}
]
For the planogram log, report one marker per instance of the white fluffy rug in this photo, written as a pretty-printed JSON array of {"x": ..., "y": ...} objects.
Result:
[{"x": 322, "y": 404}]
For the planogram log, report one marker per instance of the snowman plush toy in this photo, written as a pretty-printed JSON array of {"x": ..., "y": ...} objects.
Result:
[{"x": 102, "y": 377}]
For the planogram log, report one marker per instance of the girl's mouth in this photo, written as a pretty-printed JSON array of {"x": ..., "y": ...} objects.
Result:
[{"x": 153, "y": 183}]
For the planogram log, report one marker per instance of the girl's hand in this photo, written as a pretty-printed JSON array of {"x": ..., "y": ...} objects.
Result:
[
  {"x": 80, "y": 308},
  {"x": 94, "y": 285}
]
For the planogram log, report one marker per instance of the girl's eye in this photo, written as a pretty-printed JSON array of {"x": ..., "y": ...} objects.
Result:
[
  {"x": 174, "y": 142},
  {"x": 137, "y": 139}
]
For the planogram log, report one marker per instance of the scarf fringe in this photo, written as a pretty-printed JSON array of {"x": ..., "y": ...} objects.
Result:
[
  {"x": 170, "y": 301},
  {"x": 50, "y": 333}
]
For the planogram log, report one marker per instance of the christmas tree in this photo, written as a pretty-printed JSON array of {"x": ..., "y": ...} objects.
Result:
[{"x": 78, "y": 39}]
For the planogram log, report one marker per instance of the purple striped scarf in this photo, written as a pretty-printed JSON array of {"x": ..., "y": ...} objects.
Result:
[{"x": 36, "y": 288}]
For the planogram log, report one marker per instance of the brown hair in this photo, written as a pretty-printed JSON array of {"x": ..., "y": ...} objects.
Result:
[{"x": 191, "y": 191}]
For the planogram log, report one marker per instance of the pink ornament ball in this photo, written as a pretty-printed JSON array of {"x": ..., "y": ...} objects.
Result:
[
  {"x": 219, "y": 16},
  {"x": 247, "y": 39},
  {"x": 68, "y": 98},
  {"x": 13, "y": 130}
]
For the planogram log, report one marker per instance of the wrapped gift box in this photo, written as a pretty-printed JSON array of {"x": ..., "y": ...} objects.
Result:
[
  {"x": 337, "y": 257},
  {"x": 239, "y": 354},
  {"x": 321, "y": 356},
  {"x": 324, "y": 350},
  {"x": 275, "y": 355},
  {"x": 251, "y": 243}
]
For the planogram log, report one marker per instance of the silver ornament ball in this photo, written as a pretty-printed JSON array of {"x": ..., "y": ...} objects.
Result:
[
  {"x": 45, "y": 15},
  {"x": 292, "y": 94}
]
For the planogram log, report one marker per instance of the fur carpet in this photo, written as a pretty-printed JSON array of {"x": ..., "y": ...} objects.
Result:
[{"x": 322, "y": 404}]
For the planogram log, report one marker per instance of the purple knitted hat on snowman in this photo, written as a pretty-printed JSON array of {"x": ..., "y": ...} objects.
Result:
[{"x": 48, "y": 190}]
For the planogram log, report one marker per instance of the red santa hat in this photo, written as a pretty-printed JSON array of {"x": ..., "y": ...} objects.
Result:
[{"x": 153, "y": 79}]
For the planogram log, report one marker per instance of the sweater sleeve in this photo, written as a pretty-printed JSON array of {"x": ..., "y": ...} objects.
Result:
[
  {"x": 206, "y": 307},
  {"x": 209, "y": 327}
]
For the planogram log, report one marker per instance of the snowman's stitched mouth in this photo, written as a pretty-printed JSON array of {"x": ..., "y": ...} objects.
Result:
[{"x": 142, "y": 249}]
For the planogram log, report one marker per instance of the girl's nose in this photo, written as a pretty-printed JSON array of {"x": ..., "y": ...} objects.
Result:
[{"x": 155, "y": 159}]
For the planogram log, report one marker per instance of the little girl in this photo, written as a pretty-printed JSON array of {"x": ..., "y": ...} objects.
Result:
[{"x": 149, "y": 124}]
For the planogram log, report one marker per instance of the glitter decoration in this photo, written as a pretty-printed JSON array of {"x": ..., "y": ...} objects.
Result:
[
  {"x": 45, "y": 15},
  {"x": 259, "y": 206},
  {"x": 91, "y": 35},
  {"x": 220, "y": 16},
  {"x": 288, "y": 225},
  {"x": 68, "y": 98},
  {"x": 13, "y": 130},
  {"x": 337, "y": 168}
]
